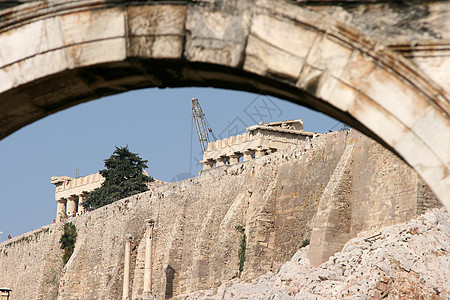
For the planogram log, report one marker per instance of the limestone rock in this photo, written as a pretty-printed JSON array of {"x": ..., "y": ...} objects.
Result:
[{"x": 406, "y": 260}]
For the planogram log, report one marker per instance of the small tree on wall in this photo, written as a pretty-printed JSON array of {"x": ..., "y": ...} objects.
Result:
[
  {"x": 124, "y": 177},
  {"x": 67, "y": 240}
]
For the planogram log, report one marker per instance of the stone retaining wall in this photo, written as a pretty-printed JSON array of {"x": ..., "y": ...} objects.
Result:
[{"x": 196, "y": 244}]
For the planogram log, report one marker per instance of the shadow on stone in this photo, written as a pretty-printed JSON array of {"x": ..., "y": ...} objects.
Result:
[{"x": 170, "y": 275}]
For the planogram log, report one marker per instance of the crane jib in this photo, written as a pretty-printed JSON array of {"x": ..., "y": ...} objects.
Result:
[{"x": 201, "y": 124}]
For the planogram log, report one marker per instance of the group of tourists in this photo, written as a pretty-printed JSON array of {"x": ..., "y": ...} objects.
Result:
[{"x": 76, "y": 214}]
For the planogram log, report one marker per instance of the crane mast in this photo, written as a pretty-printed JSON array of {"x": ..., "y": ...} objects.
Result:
[{"x": 203, "y": 128}]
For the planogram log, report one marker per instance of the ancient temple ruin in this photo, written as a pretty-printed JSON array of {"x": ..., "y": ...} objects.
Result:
[
  {"x": 260, "y": 140},
  {"x": 70, "y": 192}
]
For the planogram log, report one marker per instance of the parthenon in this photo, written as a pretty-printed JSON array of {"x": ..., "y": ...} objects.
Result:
[{"x": 260, "y": 140}]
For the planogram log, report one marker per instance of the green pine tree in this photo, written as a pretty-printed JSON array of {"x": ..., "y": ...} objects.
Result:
[{"x": 124, "y": 177}]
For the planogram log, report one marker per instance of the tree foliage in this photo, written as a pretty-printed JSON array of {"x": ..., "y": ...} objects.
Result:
[
  {"x": 242, "y": 249},
  {"x": 68, "y": 240},
  {"x": 124, "y": 176}
]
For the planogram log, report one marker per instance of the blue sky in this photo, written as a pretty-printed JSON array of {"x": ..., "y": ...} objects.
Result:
[{"x": 156, "y": 123}]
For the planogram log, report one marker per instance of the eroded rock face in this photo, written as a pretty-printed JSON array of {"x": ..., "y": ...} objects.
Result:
[{"x": 407, "y": 260}]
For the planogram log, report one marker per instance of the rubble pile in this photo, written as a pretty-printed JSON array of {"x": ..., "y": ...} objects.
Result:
[{"x": 404, "y": 261}]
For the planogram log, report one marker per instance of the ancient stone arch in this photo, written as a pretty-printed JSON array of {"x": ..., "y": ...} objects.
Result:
[{"x": 56, "y": 54}]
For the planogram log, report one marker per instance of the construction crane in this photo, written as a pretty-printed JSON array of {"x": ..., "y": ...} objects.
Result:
[{"x": 202, "y": 125}]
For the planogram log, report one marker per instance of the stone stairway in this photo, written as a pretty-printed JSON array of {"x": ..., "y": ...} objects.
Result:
[{"x": 327, "y": 221}]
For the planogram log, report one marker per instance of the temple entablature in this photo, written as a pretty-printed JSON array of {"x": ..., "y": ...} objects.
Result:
[{"x": 260, "y": 140}]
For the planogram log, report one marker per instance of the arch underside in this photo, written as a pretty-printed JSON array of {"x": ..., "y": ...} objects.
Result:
[{"x": 54, "y": 57}]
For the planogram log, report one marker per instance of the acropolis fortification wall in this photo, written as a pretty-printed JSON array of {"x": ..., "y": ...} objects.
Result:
[{"x": 327, "y": 190}]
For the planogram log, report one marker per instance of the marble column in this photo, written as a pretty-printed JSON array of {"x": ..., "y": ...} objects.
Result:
[
  {"x": 207, "y": 164},
  {"x": 61, "y": 209},
  {"x": 260, "y": 153},
  {"x": 81, "y": 209},
  {"x": 248, "y": 154},
  {"x": 147, "y": 293},
  {"x": 126, "y": 268},
  {"x": 234, "y": 158},
  {"x": 222, "y": 160},
  {"x": 72, "y": 204}
]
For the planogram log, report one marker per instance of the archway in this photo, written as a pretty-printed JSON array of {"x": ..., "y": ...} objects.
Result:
[{"x": 58, "y": 55}]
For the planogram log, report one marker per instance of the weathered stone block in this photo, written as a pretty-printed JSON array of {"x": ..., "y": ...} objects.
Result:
[
  {"x": 330, "y": 87},
  {"x": 435, "y": 64},
  {"x": 268, "y": 51},
  {"x": 92, "y": 25},
  {"x": 89, "y": 37},
  {"x": 429, "y": 122},
  {"x": 96, "y": 53},
  {"x": 394, "y": 95},
  {"x": 42, "y": 36},
  {"x": 359, "y": 67},
  {"x": 377, "y": 120},
  {"x": 30, "y": 69},
  {"x": 265, "y": 59},
  {"x": 214, "y": 36},
  {"x": 429, "y": 165},
  {"x": 329, "y": 55},
  {"x": 156, "y": 31}
]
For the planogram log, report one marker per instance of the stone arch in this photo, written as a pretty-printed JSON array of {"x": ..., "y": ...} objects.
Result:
[{"x": 58, "y": 54}]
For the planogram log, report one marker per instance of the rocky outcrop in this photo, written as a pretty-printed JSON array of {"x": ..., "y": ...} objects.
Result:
[{"x": 405, "y": 261}]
